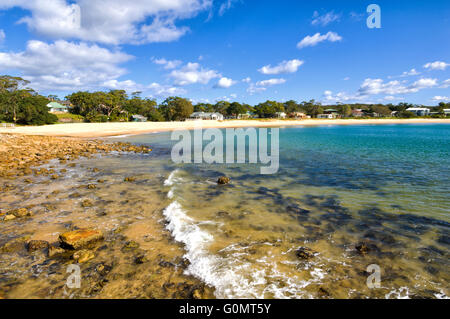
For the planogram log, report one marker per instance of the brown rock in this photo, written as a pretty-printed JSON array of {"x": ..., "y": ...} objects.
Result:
[
  {"x": 87, "y": 203},
  {"x": 129, "y": 179},
  {"x": 83, "y": 256},
  {"x": 223, "y": 180},
  {"x": 34, "y": 245},
  {"x": 91, "y": 186},
  {"x": 79, "y": 238},
  {"x": 305, "y": 253},
  {"x": 9, "y": 217},
  {"x": 20, "y": 212},
  {"x": 55, "y": 251}
]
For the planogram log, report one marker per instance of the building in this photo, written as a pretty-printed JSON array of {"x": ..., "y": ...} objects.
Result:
[
  {"x": 357, "y": 113},
  {"x": 138, "y": 118},
  {"x": 446, "y": 112},
  {"x": 297, "y": 115},
  {"x": 55, "y": 107},
  {"x": 326, "y": 116},
  {"x": 419, "y": 111},
  {"x": 280, "y": 115},
  {"x": 206, "y": 116}
]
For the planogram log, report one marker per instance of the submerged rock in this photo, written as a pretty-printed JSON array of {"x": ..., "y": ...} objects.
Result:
[
  {"x": 364, "y": 248},
  {"x": 34, "y": 245},
  {"x": 305, "y": 253},
  {"x": 130, "y": 179},
  {"x": 55, "y": 251},
  {"x": 80, "y": 238},
  {"x": 83, "y": 256},
  {"x": 20, "y": 212},
  {"x": 223, "y": 180}
]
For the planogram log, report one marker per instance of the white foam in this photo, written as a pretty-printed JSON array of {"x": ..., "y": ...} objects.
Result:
[{"x": 231, "y": 276}]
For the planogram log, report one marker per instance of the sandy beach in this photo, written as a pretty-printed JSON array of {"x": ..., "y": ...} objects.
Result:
[{"x": 132, "y": 128}]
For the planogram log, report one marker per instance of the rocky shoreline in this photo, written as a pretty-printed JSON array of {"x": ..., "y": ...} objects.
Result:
[{"x": 52, "y": 217}]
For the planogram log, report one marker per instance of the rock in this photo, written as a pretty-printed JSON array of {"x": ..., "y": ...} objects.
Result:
[
  {"x": 140, "y": 259},
  {"x": 9, "y": 217},
  {"x": 130, "y": 245},
  {"x": 223, "y": 180},
  {"x": 87, "y": 203},
  {"x": 79, "y": 238},
  {"x": 34, "y": 245},
  {"x": 55, "y": 251},
  {"x": 323, "y": 293},
  {"x": 364, "y": 248},
  {"x": 20, "y": 212},
  {"x": 305, "y": 253},
  {"x": 54, "y": 176},
  {"x": 91, "y": 186},
  {"x": 129, "y": 179},
  {"x": 83, "y": 256}
]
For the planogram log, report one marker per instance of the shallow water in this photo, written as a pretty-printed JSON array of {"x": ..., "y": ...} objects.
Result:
[{"x": 337, "y": 186}]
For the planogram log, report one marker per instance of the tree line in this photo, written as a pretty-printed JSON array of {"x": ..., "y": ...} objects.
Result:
[{"x": 20, "y": 104}]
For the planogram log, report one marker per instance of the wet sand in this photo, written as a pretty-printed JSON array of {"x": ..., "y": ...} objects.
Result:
[{"x": 133, "y": 128}]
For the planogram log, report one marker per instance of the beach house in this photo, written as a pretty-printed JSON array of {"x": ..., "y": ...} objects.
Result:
[
  {"x": 55, "y": 107},
  {"x": 280, "y": 115},
  {"x": 297, "y": 115},
  {"x": 138, "y": 118},
  {"x": 206, "y": 116},
  {"x": 419, "y": 111}
]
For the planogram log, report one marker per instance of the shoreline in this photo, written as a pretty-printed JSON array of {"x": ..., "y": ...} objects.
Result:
[{"x": 111, "y": 129}]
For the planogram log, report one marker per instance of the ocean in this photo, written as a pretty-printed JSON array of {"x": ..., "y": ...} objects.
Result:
[{"x": 355, "y": 198}]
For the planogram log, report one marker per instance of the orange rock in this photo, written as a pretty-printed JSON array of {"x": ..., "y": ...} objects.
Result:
[{"x": 80, "y": 238}]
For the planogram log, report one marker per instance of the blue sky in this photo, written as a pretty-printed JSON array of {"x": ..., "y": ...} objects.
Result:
[{"x": 237, "y": 50}]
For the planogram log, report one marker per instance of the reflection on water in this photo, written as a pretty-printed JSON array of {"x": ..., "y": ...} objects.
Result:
[{"x": 353, "y": 196}]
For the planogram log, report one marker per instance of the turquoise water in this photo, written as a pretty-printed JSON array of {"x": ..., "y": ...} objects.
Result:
[{"x": 338, "y": 186}]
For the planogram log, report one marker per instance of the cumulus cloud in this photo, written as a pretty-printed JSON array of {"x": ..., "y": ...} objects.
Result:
[
  {"x": 168, "y": 64},
  {"x": 325, "y": 19},
  {"x": 225, "y": 83},
  {"x": 247, "y": 80},
  {"x": 162, "y": 91},
  {"x": 439, "y": 98},
  {"x": 310, "y": 41},
  {"x": 438, "y": 65},
  {"x": 64, "y": 65},
  {"x": 108, "y": 21},
  {"x": 270, "y": 82},
  {"x": 411, "y": 72},
  {"x": 445, "y": 84},
  {"x": 252, "y": 89},
  {"x": 283, "y": 67},
  {"x": 193, "y": 73},
  {"x": 378, "y": 86}
]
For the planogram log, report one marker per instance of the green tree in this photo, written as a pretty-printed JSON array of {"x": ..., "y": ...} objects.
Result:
[
  {"x": 176, "y": 109},
  {"x": 268, "y": 109}
]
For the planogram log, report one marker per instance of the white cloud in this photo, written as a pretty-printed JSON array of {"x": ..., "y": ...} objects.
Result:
[
  {"x": 108, "y": 21},
  {"x": 445, "y": 84},
  {"x": 283, "y": 67},
  {"x": 225, "y": 83},
  {"x": 225, "y": 6},
  {"x": 324, "y": 19},
  {"x": 128, "y": 85},
  {"x": 438, "y": 65},
  {"x": 270, "y": 82},
  {"x": 411, "y": 72},
  {"x": 441, "y": 98},
  {"x": 193, "y": 73},
  {"x": 340, "y": 97},
  {"x": 310, "y": 41},
  {"x": 346, "y": 78},
  {"x": 168, "y": 65},
  {"x": 247, "y": 80},
  {"x": 161, "y": 91},
  {"x": 252, "y": 89},
  {"x": 378, "y": 86},
  {"x": 64, "y": 65},
  {"x": 2, "y": 35}
]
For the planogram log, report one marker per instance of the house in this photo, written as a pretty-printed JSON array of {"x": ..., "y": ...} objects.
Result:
[
  {"x": 55, "y": 107},
  {"x": 419, "y": 111},
  {"x": 138, "y": 118},
  {"x": 326, "y": 116},
  {"x": 297, "y": 115},
  {"x": 357, "y": 113},
  {"x": 280, "y": 115},
  {"x": 206, "y": 116},
  {"x": 446, "y": 112}
]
